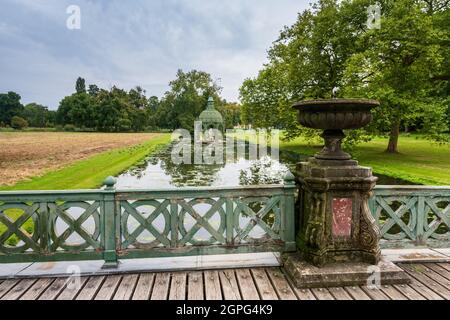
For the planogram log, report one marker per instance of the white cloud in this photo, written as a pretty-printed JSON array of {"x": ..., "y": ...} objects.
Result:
[{"x": 129, "y": 43}]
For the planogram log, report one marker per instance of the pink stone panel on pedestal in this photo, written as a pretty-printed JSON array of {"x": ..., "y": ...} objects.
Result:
[{"x": 342, "y": 217}]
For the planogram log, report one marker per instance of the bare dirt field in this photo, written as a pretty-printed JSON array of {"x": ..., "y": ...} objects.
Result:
[{"x": 27, "y": 154}]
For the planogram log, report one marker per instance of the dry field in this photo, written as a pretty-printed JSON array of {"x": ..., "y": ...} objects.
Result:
[{"x": 27, "y": 154}]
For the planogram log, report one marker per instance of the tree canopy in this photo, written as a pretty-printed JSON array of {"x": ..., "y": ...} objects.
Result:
[
  {"x": 404, "y": 64},
  {"x": 119, "y": 110}
]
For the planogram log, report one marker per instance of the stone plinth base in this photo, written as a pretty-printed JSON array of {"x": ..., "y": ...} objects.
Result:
[{"x": 305, "y": 275}]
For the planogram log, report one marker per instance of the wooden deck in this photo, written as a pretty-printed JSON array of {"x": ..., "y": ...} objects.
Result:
[{"x": 430, "y": 281}]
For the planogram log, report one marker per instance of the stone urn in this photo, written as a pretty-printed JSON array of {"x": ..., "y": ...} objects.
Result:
[
  {"x": 333, "y": 116},
  {"x": 337, "y": 237}
]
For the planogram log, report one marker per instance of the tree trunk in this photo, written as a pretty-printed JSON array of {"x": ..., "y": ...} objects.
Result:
[{"x": 393, "y": 138}]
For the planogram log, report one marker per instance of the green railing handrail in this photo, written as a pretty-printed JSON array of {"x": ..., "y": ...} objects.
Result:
[
  {"x": 270, "y": 207},
  {"x": 407, "y": 216}
]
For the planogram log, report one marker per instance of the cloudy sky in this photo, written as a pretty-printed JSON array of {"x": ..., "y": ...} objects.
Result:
[{"x": 135, "y": 42}]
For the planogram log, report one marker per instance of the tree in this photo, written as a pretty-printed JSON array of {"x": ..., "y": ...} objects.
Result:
[
  {"x": 186, "y": 99},
  {"x": 80, "y": 86},
  {"x": 330, "y": 46},
  {"x": 93, "y": 90},
  {"x": 10, "y": 106},
  {"x": 18, "y": 123},
  {"x": 397, "y": 66},
  {"x": 38, "y": 116},
  {"x": 76, "y": 109},
  {"x": 231, "y": 113}
]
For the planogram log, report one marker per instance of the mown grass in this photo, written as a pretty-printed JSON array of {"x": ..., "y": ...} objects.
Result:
[
  {"x": 91, "y": 172},
  {"x": 419, "y": 160}
]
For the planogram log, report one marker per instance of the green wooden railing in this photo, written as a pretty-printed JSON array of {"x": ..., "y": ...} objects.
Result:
[
  {"x": 412, "y": 215},
  {"x": 112, "y": 224}
]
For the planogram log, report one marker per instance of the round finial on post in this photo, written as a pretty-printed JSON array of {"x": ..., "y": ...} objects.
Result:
[
  {"x": 109, "y": 183},
  {"x": 289, "y": 178}
]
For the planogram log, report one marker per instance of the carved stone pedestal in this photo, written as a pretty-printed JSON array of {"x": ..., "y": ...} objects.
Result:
[{"x": 337, "y": 238}]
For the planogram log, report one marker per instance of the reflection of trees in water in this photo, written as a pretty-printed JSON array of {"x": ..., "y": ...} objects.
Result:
[
  {"x": 138, "y": 170},
  {"x": 263, "y": 171},
  {"x": 181, "y": 174}
]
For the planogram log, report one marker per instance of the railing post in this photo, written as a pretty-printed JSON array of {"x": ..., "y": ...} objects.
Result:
[
  {"x": 421, "y": 219},
  {"x": 109, "y": 225},
  {"x": 288, "y": 214},
  {"x": 44, "y": 234},
  {"x": 174, "y": 223},
  {"x": 229, "y": 223}
]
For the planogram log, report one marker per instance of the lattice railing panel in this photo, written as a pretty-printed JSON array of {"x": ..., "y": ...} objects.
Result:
[
  {"x": 189, "y": 221},
  {"x": 416, "y": 215},
  {"x": 44, "y": 226},
  {"x": 108, "y": 224}
]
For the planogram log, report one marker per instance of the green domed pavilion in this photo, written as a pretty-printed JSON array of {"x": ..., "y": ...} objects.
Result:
[{"x": 211, "y": 118}]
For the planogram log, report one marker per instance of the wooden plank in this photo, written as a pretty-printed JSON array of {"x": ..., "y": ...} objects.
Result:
[
  {"x": 91, "y": 288},
  {"x": 424, "y": 290},
  {"x": 322, "y": 294},
  {"x": 436, "y": 276},
  {"x": 263, "y": 284},
  {"x": 427, "y": 278},
  {"x": 229, "y": 285},
  {"x": 126, "y": 287},
  {"x": 54, "y": 289},
  {"x": 246, "y": 285},
  {"x": 357, "y": 293},
  {"x": 195, "y": 286},
  {"x": 445, "y": 265},
  {"x": 71, "y": 291},
  {"x": 438, "y": 269},
  {"x": 178, "y": 286},
  {"x": 339, "y": 293},
  {"x": 304, "y": 294},
  {"x": 212, "y": 286},
  {"x": 7, "y": 285},
  {"x": 144, "y": 286},
  {"x": 108, "y": 288},
  {"x": 281, "y": 284},
  {"x": 37, "y": 289},
  {"x": 18, "y": 290},
  {"x": 409, "y": 292},
  {"x": 375, "y": 293},
  {"x": 392, "y": 293},
  {"x": 161, "y": 286}
]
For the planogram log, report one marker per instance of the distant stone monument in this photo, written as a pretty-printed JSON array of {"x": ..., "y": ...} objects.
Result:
[
  {"x": 211, "y": 118},
  {"x": 211, "y": 121}
]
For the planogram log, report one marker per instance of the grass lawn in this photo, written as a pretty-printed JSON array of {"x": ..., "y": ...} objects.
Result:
[
  {"x": 91, "y": 172},
  {"x": 419, "y": 160}
]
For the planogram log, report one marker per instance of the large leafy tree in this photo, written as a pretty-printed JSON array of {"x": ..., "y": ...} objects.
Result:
[
  {"x": 80, "y": 85},
  {"x": 399, "y": 66},
  {"x": 186, "y": 99},
  {"x": 78, "y": 110},
  {"x": 10, "y": 106},
  {"x": 38, "y": 116},
  {"x": 404, "y": 65},
  {"x": 306, "y": 61}
]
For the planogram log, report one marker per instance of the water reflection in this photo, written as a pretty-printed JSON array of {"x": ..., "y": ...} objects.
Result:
[{"x": 159, "y": 171}]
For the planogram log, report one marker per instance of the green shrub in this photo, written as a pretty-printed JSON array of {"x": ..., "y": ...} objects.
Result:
[
  {"x": 18, "y": 123},
  {"x": 69, "y": 127}
]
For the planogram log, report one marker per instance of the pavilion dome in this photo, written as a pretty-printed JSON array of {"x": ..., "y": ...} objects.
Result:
[{"x": 211, "y": 118}]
